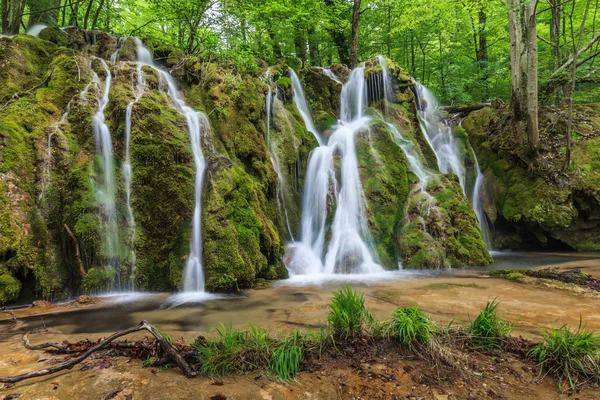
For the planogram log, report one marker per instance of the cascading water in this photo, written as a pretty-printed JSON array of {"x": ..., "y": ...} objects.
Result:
[
  {"x": 329, "y": 73},
  {"x": 302, "y": 107},
  {"x": 478, "y": 205},
  {"x": 448, "y": 152},
  {"x": 104, "y": 179},
  {"x": 127, "y": 172},
  {"x": 281, "y": 201},
  {"x": 349, "y": 249},
  {"x": 198, "y": 125}
]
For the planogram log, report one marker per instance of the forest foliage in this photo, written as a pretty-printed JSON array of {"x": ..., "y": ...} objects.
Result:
[{"x": 459, "y": 48}]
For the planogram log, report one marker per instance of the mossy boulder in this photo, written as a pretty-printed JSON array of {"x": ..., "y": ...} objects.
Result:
[
  {"x": 441, "y": 228},
  {"x": 241, "y": 243}
]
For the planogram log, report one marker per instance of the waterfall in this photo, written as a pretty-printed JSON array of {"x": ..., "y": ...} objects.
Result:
[
  {"x": 127, "y": 171},
  {"x": 478, "y": 206},
  {"x": 448, "y": 152},
  {"x": 36, "y": 29},
  {"x": 280, "y": 195},
  {"x": 105, "y": 180},
  {"x": 350, "y": 246},
  {"x": 198, "y": 125},
  {"x": 302, "y": 107},
  {"x": 327, "y": 72}
]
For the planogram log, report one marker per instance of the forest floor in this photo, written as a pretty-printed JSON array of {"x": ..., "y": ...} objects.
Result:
[{"x": 376, "y": 370}]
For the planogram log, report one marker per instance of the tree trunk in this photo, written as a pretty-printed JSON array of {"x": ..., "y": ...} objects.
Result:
[
  {"x": 555, "y": 31},
  {"x": 313, "y": 46},
  {"x": 276, "y": 47},
  {"x": 355, "y": 21},
  {"x": 87, "y": 14},
  {"x": 516, "y": 38},
  {"x": 389, "y": 30},
  {"x": 532, "y": 75},
  {"x": 97, "y": 13},
  {"x": 300, "y": 44},
  {"x": 43, "y": 12},
  {"x": 12, "y": 16}
]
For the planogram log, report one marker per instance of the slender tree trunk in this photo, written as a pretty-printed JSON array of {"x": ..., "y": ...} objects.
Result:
[
  {"x": 87, "y": 14},
  {"x": 313, "y": 46},
  {"x": 532, "y": 75},
  {"x": 555, "y": 31},
  {"x": 300, "y": 44},
  {"x": 516, "y": 38},
  {"x": 355, "y": 22},
  {"x": 389, "y": 30},
  {"x": 97, "y": 14}
]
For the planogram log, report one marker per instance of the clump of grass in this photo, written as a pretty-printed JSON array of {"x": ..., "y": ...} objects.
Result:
[
  {"x": 572, "y": 356},
  {"x": 285, "y": 361},
  {"x": 348, "y": 315},
  {"x": 488, "y": 330},
  {"x": 410, "y": 326},
  {"x": 235, "y": 351}
]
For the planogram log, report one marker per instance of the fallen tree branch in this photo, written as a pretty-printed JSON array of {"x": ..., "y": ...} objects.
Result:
[
  {"x": 172, "y": 353},
  {"x": 77, "y": 254}
]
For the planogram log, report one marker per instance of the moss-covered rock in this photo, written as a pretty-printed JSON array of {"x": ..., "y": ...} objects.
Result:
[
  {"x": 441, "y": 228},
  {"x": 385, "y": 185},
  {"x": 531, "y": 202},
  {"x": 240, "y": 242}
]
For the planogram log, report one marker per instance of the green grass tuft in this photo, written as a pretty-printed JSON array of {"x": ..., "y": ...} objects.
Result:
[
  {"x": 572, "y": 356},
  {"x": 410, "y": 327},
  {"x": 285, "y": 362},
  {"x": 348, "y": 315},
  {"x": 488, "y": 330},
  {"x": 235, "y": 351}
]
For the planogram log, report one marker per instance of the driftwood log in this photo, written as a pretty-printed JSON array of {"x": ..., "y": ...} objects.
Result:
[{"x": 171, "y": 353}]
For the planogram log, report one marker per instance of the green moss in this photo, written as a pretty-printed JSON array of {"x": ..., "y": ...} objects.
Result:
[
  {"x": 98, "y": 280},
  {"x": 382, "y": 168},
  {"x": 442, "y": 230},
  {"x": 240, "y": 242},
  {"x": 9, "y": 288}
]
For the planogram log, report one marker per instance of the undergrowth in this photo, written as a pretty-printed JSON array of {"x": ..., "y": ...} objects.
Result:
[{"x": 572, "y": 356}]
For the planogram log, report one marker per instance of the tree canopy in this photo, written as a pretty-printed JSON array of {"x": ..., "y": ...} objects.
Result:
[{"x": 459, "y": 48}]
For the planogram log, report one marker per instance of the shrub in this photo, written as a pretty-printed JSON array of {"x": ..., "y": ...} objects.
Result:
[
  {"x": 410, "y": 327},
  {"x": 488, "y": 330},
  {"x": 573, "y": 356},
  {"x": 348, "y": 314},
  {"x": 285, "y": 362}
]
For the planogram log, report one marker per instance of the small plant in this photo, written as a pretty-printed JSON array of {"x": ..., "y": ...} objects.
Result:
[
  {"x": 348, "y": 314},
  {"x": 410, "y": 327},
  {"x": 488, "y": 330},
  {"x": 285, "y": 362},
  {"x": 235, "y": 351},
  {"x": 573, "y": 356}
]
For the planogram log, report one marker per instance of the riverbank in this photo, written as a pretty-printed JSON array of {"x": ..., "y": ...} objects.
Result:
[{"x": 458, "y": 297}]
